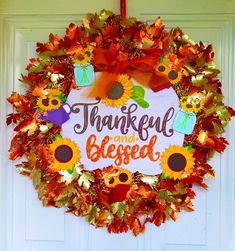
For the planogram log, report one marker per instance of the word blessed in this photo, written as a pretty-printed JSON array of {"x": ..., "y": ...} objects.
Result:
[
  {"x": 119, "y": 153},
  {"x": 127, "y": 120}
]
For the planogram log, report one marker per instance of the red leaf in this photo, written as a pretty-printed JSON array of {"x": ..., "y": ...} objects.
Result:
[
  {"x": 209, "y": 54},
  {"x": 71, "y": 36},
  {"x": 220, "y": 144}
]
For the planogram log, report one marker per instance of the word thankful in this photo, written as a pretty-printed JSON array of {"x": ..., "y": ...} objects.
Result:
[
  {"x": 129, "y": 119},
  {"x": 121, "y": 154}
]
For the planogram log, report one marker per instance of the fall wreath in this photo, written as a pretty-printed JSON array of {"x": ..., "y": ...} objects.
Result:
[{"x": 120, "y": 50}]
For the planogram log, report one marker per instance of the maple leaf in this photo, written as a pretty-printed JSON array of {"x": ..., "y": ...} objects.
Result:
[
  {"x": 71, "y": 36},
  {"x": 119, "y": 209},
  {"x": 13, "y": 118},
  {"x": 36, "y": 176},
  {"x": 64, "y": 196},
  {"x": 85, "y": 180},
  {"x": 92, "y": 213},
  {"x": 150, "y": 180},
  {"x": 53, "y": 44},
  {"x": 136, "y": 227},
  {"x": 20, "y": 102}
]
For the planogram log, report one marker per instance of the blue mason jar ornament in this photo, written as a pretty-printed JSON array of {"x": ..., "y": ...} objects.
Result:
[
  {"x": 184, "y": 122},
  {"x": 84, "y": 74},
  {"x": 185, "y": 119}
]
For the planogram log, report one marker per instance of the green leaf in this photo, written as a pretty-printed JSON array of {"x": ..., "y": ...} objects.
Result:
[
  {"x": 57, "y": 136},
  {"x": 44, "y": 56},
  {"x": 180, "y": 189},
  {"x": 138, "y": 91},
  {"x": 36, "y": 177},
  {"x": 92, "y": 213},
  {"x": 138, "y": 96},
  {"x": 199, "y": 80},
  {"x": 119, "y": 209},
  {"x": 85, "y": 180},
  {"x": 66, "y": 193},
  {"x": 36, "y": 68}
]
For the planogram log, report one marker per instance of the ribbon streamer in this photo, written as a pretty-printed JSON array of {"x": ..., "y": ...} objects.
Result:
[{"x": 123, "y": 9}]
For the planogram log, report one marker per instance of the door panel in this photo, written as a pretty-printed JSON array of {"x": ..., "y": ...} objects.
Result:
[{"x": 30, "y": 227}]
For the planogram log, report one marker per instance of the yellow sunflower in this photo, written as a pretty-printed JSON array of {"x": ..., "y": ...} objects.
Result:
[
  {"x": 177, "y": 162},
  {"x": 120, "y": 176},
  {"x": 163, "y": 68},
  {"x": 88, "y": 54},
  {"x": 80, "y": 58},
  {"x": 53, "y": 92},
  {"x": 174, "y": 76},
  {"x": 55, "y": 102},
  {"x": 198, "y": 105},
  {"x": 44, "y": 103},
  {"x": 48, "y": 100},
  {"x": 120, "y": 91},
  {"x": 65, "y": 154},
  {"x": 189, "y": 104}
]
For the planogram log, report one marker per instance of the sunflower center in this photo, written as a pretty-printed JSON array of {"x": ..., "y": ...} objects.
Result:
[
  {"x": 111, "y": 181},
  {"x": 116, "y": 91},
  {"x": 88, "y": 53},
  {"x": 173, "y": 75},
  {"x": 177, "y": 162},
  {"x": 63, "y": 153},
  {"x": 45, "y": 101},
  {"x": 54, "y": 102},
  {"x": 123, "y": 177},
  {"x": 161, "y": 68},
  {"x": 80, "y": 57}
]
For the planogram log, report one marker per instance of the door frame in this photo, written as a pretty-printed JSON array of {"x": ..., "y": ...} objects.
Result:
[{"x": 8, "y": 26}]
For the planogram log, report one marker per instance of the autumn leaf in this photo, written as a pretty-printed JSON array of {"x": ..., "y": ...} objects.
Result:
[
  {"x": 71, "y": 36},
  {"x": 150, "y": 180},
  {"x": 119, "y": 209},
  {"x": 36, "y": 176},
  {"x": 92, "y": 214},
  {"x": 85, "y": 180}
]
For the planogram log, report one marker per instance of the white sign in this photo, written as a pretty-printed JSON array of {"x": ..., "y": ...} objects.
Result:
[{"x": 130, "y": 136}]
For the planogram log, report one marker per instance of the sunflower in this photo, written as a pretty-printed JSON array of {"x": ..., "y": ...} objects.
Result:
[
  {"x": 174, "y": 76},
  {"x": 65, "y": 153},
  {"x": 88, "y": 54},
  {"x": 55, "y": 102},
  {"x": 166, "y": 69},
  {"x": 163, "y": 68},
  {"x": 177, "y": 162},
  {"x": 120, "y": 176},
  {"x": 44, "y": 103},
  {"x": 119, "y": 92},
  {"x": 198, "y": 105},
  {"x": 53, "y": 92},
  {"x": 80, "y": 58},
  {"x": 48, "y": 100},
  {"x": 191, "y": 104}
]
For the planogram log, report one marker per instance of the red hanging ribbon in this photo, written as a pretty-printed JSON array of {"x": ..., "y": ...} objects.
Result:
[{"x": 123, "y": 9}]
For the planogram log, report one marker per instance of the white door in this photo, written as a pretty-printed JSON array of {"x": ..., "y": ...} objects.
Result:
[{"x": 27, "y": 226}]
